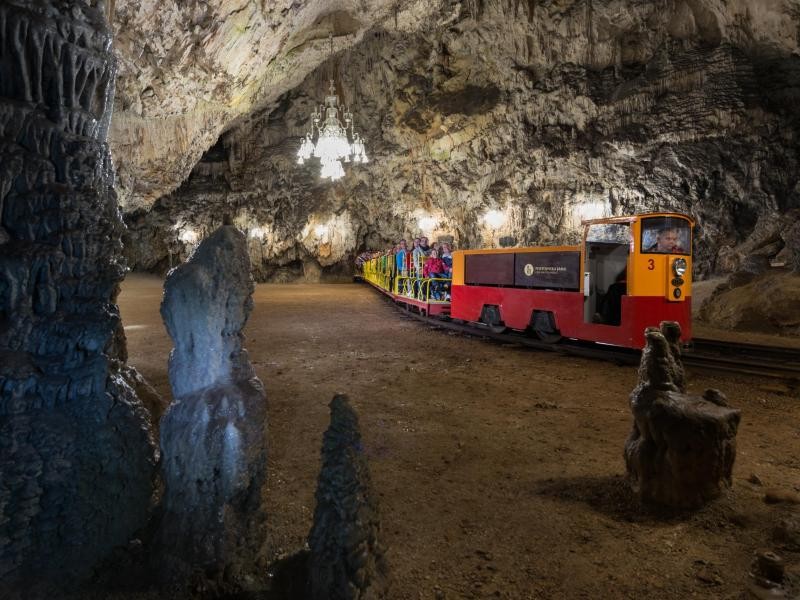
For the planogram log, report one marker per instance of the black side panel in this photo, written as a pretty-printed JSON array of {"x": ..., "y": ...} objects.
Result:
[
  {"x": 489, "y": 269},
  {"x": 559, "y": 270}
]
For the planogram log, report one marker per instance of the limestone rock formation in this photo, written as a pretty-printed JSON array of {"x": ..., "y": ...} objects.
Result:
[
  {"x": 548, "y": 111},
  {"x": 346, "y": 557},
  {"x": 681, "y": 450},
  {"x": 769, "y": 303},
  {"x": 213, "y": 435},
  {"x": 190, "y": 68},
  {"x": 77, "y": 455}
]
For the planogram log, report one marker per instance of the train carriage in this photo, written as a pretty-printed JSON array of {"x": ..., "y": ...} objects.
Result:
[
  {"x": 629, "y": 273},
  {"x": 425, "y": 295}
]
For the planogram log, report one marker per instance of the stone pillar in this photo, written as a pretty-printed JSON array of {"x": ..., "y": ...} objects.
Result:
[
  {"x": 77, "y": 458},
  {"x": 213, "y": 435},
  {"x": 346, "y": 558},
  {"x": 681, "y": 450}
]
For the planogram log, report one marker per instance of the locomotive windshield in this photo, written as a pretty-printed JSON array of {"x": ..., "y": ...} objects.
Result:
[
  {"x": 666, "y": 235},
  {"x": 610, "y": 233}
]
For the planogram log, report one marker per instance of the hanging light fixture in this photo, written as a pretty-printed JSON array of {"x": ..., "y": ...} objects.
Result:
[{"x": 332, "y": 126}]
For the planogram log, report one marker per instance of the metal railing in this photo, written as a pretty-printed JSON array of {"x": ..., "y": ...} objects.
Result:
[{"x": 382, "y": 272}]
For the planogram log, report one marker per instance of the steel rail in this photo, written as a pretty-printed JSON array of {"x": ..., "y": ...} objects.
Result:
[{"x": 704, "y": 354}]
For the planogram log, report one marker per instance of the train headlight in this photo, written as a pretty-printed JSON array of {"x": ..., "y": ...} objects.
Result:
[{"x": 679, "y": 266}]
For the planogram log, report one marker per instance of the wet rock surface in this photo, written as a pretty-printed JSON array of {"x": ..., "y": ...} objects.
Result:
[
  {"x": 681, "y": 450},
  {"x": 346, "y": 559},
  {"x": 77, "y": 454},
  {"x": 213, "y": 435}
]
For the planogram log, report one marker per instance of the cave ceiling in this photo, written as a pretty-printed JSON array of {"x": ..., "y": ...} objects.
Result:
[{"x": 551, "y": 111}]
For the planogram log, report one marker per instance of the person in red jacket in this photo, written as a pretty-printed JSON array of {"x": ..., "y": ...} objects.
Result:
[{"x": 435, "y": 268}]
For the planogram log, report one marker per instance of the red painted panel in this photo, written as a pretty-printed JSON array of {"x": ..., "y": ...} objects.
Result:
[{"x": 517, "y": 305}]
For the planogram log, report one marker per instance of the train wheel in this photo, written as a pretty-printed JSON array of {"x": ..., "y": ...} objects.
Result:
[
  {"x": 490, "y": 315},
  {"x": 544, "y": 326}
]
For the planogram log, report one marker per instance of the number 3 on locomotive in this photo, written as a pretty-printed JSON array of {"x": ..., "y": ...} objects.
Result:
[{"x": 651, "y": 264}]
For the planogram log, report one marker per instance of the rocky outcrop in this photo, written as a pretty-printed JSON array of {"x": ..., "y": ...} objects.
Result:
[
  {"x": 768, "y": 302},
  {"x": 346, "y": 559},
  {"x": 77, "y": 456},
  {"x": 549, "y": 112},
  {"x": 213, "y": 435},
  {"x": 681, "y": 450}
]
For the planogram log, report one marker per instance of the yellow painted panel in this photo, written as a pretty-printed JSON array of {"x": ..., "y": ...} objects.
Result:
[
  {"x": 458, "y": 267},
  {"x": 652, "y": 274}
]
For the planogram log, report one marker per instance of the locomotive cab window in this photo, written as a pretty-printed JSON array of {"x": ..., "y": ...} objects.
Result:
[
  {"x": 605, "y": 271},
  {"x": 666, "y": 235}
]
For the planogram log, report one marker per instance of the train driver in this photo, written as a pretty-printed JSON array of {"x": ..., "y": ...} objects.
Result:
[{"x": 668, "y": 240}]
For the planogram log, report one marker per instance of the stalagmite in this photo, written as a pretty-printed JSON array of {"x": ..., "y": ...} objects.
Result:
[
  {"x": 213, "y": 435},
  {"x": 681, "y": 450},
  {"x": 347, "y": 559}
]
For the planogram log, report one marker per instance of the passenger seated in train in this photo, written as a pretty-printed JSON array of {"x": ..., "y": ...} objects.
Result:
[
  {"x": 400, "y": 258},
  {"x": 611, "y": 304},
  {"x": 447, "y": 257},
  {"x": 435, "y": 269},
  {"x": 668, "y": 241}
]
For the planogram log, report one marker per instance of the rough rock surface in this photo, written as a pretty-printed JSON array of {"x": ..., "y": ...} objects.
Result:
[
  {"x": 77, "y": 455},
  {"x": 346, "y": 558},
  {"x": 190, "y": 68},
  {"x": 681, "y": 450},
  {"x": 213, "y": 435},
  {"x": 547, "y": 111},
  {"x": 766, "y": 302}
]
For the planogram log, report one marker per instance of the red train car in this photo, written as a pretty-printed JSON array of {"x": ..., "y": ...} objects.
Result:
[{"x": 629, "y": 273}]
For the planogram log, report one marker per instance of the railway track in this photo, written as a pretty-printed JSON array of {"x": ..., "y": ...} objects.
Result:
[
  {"x": 750, "y": 359},
  {"x": 772, "y": 362}
]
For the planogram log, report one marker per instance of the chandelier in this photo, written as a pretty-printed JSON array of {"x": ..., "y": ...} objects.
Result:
[{"x": 336, "y": 138}]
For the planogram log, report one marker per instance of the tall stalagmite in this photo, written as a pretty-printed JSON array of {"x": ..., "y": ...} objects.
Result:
[
  {"x": 77, "y": 458},
  {"x": 213, "y": 436}
]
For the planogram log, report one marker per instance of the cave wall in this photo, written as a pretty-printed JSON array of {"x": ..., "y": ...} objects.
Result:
[
  {"x": 188, "y": 69},
  {"x": 549, "y": 112},
  {"x": 77, "y": 455}
]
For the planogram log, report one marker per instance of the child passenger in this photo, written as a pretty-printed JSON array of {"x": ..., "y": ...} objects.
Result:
[{"x": 435, "y": 269}]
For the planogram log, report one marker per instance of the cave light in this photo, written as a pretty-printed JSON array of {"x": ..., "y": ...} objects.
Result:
[
  {"x": 494, "y": 218},
  {"x": 257, "y": 232},
  {"x": 320, "y": 230},
  {"x": 332, "y": 140},
  {"x": 188, "y": 235},
  {"x": 427, "y": 223},
  {"x": 592, "y": 209}
]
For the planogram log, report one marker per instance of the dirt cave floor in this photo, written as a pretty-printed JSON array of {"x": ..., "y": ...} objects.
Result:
[{"x": 499, "y": 469}]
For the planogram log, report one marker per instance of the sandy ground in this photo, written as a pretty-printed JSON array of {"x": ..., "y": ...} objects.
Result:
[{"x": 499, "y": 469}]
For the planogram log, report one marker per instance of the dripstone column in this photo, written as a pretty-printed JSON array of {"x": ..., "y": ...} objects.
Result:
[
  {"x": 346, "y": 560},
  {"x": 213, "y": 435},
  {"x": 77, "y": 458},
  {"x": 681, "y": 450}
]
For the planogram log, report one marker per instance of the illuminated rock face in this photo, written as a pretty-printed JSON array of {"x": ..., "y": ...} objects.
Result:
[
  {"x": 77, "y": 458},
  {"x": 213, "y": 435},
  {"x": 549, "y": 112},
  {"x": 189, "y": 68},
  {"x": 681, "y": 450}
]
